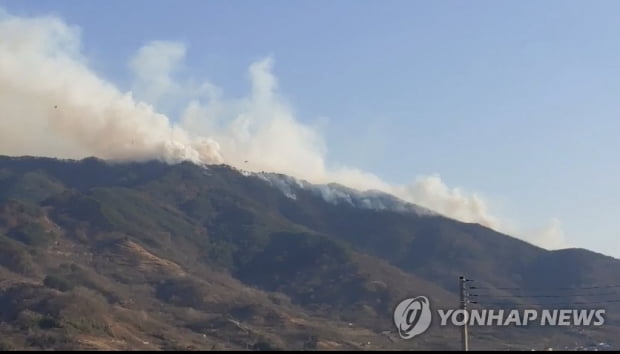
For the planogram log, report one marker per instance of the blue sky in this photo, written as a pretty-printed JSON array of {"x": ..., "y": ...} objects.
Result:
[{"x": 516, "y": 100}]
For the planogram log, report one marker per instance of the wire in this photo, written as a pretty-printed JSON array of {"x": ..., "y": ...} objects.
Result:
[
  {"x": 545, "y": 304},
  {"x": 539, "y": 296},
  {"x": 549, "y": 289}
]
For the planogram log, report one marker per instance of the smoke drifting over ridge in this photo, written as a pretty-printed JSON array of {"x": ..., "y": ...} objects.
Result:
[{"x": 52, "y": 104}]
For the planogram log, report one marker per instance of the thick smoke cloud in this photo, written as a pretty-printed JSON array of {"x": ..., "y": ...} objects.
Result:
[{"x": 52, "y": 104}]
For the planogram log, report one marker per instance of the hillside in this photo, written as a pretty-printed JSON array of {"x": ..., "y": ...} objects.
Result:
[{"x": 156, "y": 256}]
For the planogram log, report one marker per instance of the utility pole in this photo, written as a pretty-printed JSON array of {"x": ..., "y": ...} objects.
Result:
[{"x": 463, "y": 296}]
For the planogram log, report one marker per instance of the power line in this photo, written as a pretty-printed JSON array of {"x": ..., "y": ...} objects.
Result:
[
  {"x": 482, "y": 298},
  {"x": 539, "y": 296},
  {"x": 547, "y": 289},
  {"x": 581, "y": 303},
  {"x": 563, "y": 293}
]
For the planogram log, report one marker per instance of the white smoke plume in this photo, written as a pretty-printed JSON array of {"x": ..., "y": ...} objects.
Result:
[
  {"x": 52, "y": 104},
  {"x": 551, "y": 236},
  {"x": 154, "y": 65}
]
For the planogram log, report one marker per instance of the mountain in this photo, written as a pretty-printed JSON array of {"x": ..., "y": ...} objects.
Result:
[{"x": 148, "y": 255}]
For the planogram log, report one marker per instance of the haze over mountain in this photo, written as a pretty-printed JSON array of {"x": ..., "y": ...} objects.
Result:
[
  {"x": 54, "y": 105},
  {"x": 152, "y": 255}
]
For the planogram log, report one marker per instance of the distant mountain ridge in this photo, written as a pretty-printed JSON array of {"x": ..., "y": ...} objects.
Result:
[
  {"x": 156, "y": 256},
  {"x": 337, "y": 194}
]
